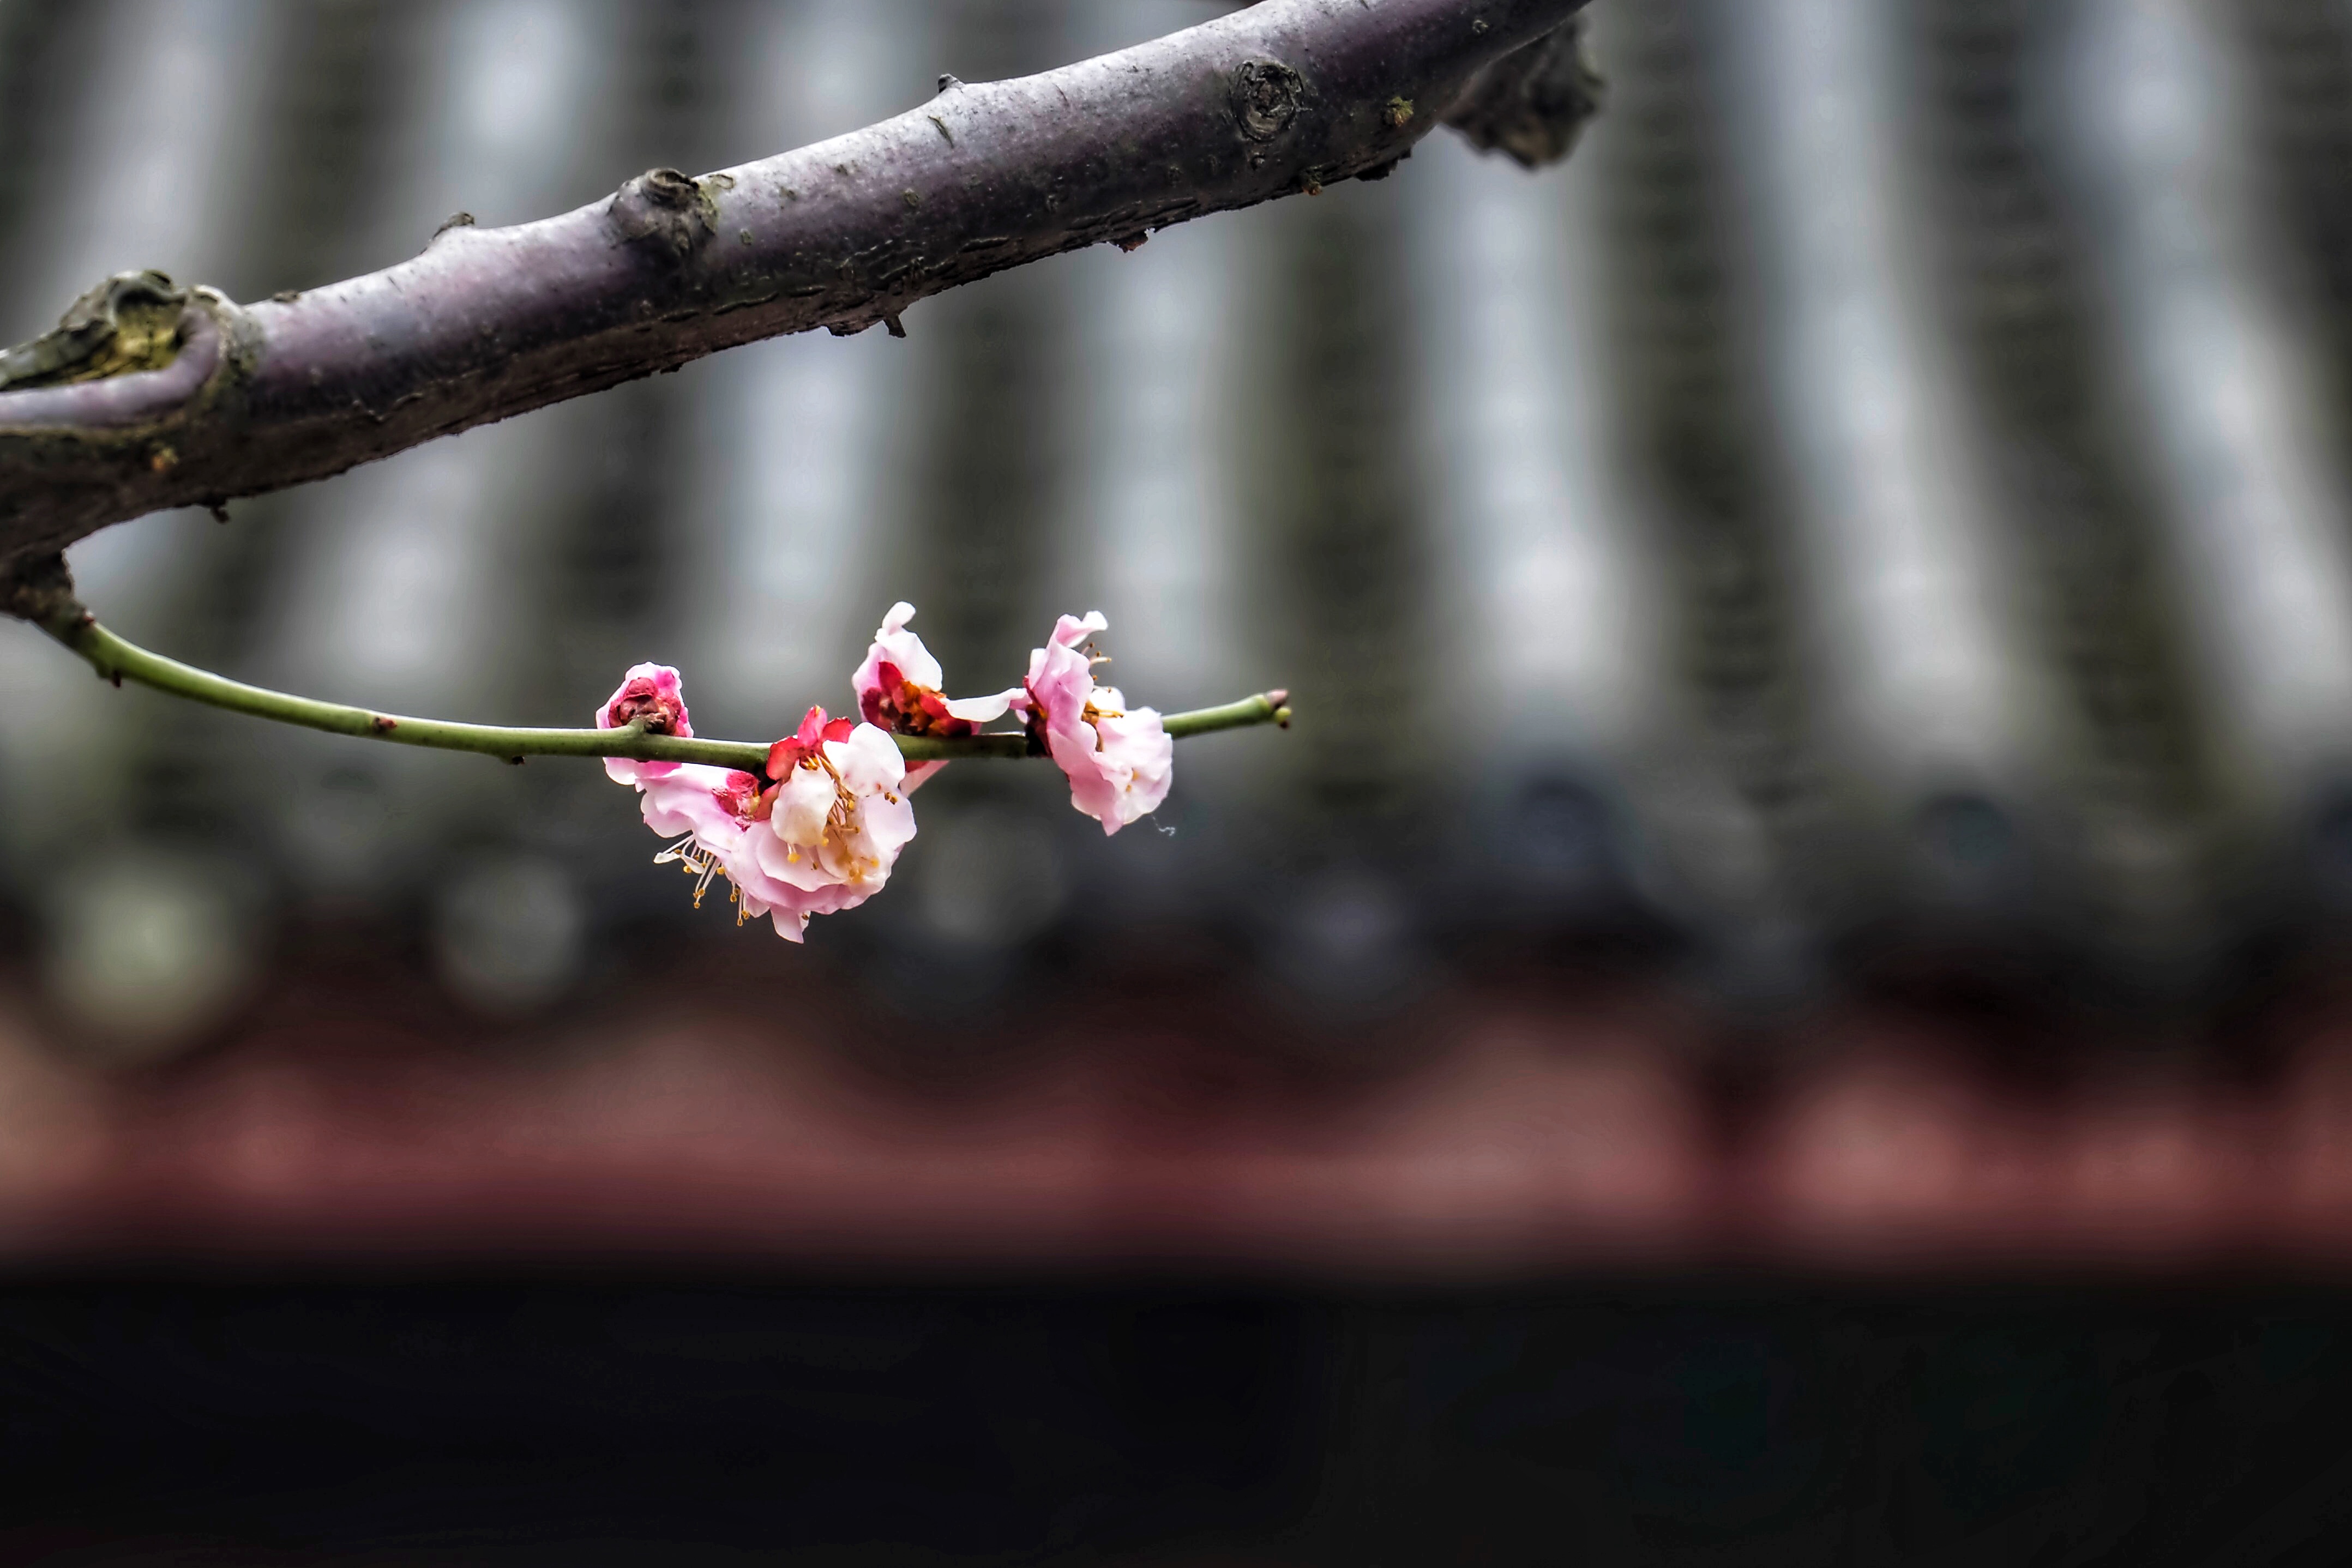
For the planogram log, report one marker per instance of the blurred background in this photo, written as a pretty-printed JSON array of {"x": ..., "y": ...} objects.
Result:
[{"x": 1822, "y": 632}]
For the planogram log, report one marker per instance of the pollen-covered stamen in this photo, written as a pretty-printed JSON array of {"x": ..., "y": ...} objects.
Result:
[
  {"x": 844, "y": 801},
  {"x": 841, "y": 817},
  {"x": 695, "y": 861},
  {"x": 909, "y": 708}
]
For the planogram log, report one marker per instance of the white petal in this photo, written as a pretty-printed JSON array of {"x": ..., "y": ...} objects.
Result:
[
  {"x": 888, "y": 825},
  {"x": 795, "y": 865},
  {"x": 802, "y": 802},
  {"x": 980, "y": 710},
  {"x": 869, "y": 760}
]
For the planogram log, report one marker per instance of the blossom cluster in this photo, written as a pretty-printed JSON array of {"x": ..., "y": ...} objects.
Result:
[{"x": 819, "y": 827}]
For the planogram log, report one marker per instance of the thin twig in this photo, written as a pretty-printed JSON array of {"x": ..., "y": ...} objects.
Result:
[{"x": 118, "y": 661}]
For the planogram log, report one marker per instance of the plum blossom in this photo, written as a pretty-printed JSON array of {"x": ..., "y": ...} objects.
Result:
[
  {"x": 900, "y": 689},
  {"x": 819, "y": 830},
  {"x": 1118, "y": 759},
  {"x": 706, "y": 811},
  {"x": 651, "y": 693},
  {"x": 712, "y": 814},
  {"x": 837, "y": 816},
  {"x": 822, "y": 837},
  {"x": 900, "y": 684}
]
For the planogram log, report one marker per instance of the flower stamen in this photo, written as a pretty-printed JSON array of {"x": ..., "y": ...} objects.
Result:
[{"x": 696, "y": 862}]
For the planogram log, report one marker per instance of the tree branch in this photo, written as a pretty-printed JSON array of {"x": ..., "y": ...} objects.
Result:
[{"x": 112, "y": 417}]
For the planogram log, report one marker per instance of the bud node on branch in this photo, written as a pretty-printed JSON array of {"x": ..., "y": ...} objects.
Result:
[{"x": 41, "y": 591}]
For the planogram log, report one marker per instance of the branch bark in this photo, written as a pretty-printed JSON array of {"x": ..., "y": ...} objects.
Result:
[{"x": 110, "y": 418}]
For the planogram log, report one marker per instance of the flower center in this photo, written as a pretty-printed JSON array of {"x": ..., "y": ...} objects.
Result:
[
  {"x": 910, "y": 709},
  {"x": 642, "y": 700}
]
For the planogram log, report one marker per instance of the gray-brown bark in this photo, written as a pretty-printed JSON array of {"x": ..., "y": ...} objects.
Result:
[
  {"x": 113, "y": 417},
  {"x": 1534, "y": 101}
]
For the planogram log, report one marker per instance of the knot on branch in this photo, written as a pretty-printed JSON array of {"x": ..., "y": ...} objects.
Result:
[
  {"x": 40, "y": 589},
  {"x": 1268, "y": 96},
  {"x": 1533, "y": 104},
  {"x": 130, "y": 323},
  {"x": 667, "y": 208}
]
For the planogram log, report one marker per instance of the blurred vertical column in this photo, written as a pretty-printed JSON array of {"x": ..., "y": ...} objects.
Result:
[
  {"x": 1553, "y": 654},
  {"x": 2293, "y": 61},
  {"x": 786, "y": 456},
  {"x": 2135, "y": 874},
  {"x": 165, "y": 107},
  {"x": 976, "y": 542},
  {"x": 1929, "y": 697},
  {"x": 2230, "y": 397},
  {"x": 1692, "y": 436},
  {"x": 157, "y": 166},
  {"x": 413, "y": 583},
  {"x": 37, "y": 39},
  {"x": 339, "y": 64},
  {"x": 2297, "y": 60},
  {"x": 618, "y": 582},
  {"x": 1151, "y": 519},
  {"x": 987, "y": 406},
  {"x": 1344, "y": 845},
  {"x": 166, "y": 115}
]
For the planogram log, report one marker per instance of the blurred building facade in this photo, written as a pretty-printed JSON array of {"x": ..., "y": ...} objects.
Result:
[{"x": 1880, "y": 507}]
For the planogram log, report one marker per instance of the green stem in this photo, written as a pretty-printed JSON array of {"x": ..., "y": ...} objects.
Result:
[{"x": 118, "y": 661}]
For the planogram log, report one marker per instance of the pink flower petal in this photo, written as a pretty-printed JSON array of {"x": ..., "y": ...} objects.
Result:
[
  {"x": 1120, "y": 762},
  {"x": 655, "y": 693}
]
